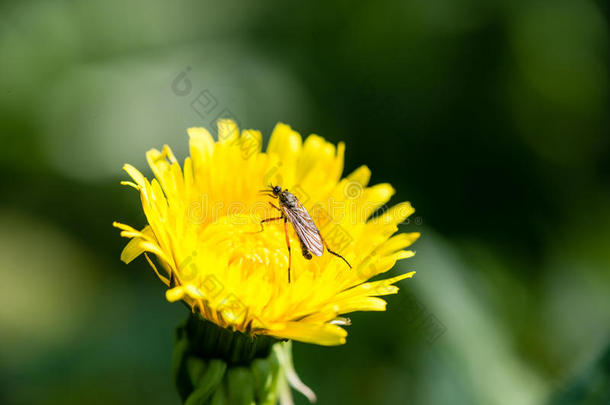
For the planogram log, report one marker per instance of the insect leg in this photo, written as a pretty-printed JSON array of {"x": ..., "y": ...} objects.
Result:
[
  {"x": 288, "y": 245},
  {"x": 274, "y": 206},
  {"x": 267, "y": 220},
  {"x": 333, "y": 252}
]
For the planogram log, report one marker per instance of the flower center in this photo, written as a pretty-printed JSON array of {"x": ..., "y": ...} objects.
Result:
[{"x": 239, "y": 239}]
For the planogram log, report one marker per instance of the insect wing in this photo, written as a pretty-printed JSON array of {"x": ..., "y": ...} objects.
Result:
[{"x": 305, "y": 228}]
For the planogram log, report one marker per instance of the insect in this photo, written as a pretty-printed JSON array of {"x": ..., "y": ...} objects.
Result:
[{"x": 291, "y": 210}]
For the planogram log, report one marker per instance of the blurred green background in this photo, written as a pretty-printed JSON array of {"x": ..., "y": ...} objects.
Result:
[{"x": 491, "y": 117}]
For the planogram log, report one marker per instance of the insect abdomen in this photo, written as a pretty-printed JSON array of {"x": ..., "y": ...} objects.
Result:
[{"x": 305, "y": 251}]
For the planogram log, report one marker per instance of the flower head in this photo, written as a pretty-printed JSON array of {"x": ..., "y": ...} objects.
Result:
[{"x": 204, "y": 229}]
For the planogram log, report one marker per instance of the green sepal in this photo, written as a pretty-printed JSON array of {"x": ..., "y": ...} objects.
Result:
[
  {"x": 195, "y": 367},
  {"x": 217, "y": 366},
  {"x": 211, "y": 378},
  {"x": 266, "y": 376},
  {"x": 220, "y": 396},
  {"x": 179, "y": 370},
  {"x": 261, "y": 372},
  {"x": 275, "y": 369},
  {"x": 209, "y": 340},
  {"x": 241, "y": 386}
]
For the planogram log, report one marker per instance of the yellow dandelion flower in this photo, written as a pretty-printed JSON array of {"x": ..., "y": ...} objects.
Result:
[{"x": 204, "y": 229}]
